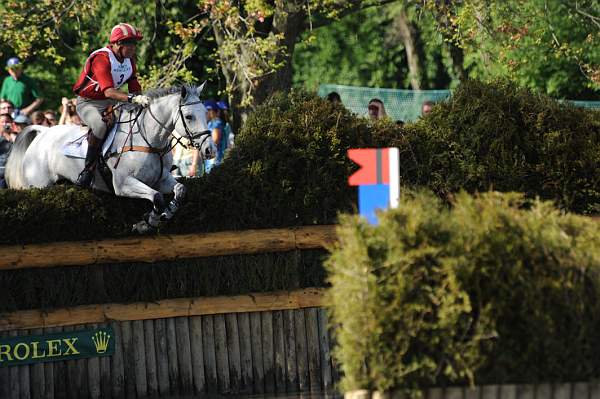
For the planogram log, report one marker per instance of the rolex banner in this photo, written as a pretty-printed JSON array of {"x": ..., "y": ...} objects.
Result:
[{"x": 27, "y": 349}]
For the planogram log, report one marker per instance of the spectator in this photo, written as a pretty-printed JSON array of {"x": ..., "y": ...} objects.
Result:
[
  {"x": 334, "y": 98},
  {"x": 50, "y": 116},
  {"x": 400, "y": 123},
  {"x": 9, "y": 129},
  {"x": 20, "y": 89},
  {"x": 227, "y": 130},
  {"x": 38, "y": 118},
  {"x": 182, "y": 157},
  {"x": 215, "y": 125},
  {"x": 68, "y": 113},
  {"x": 21, "y": 121},
  {"x": 426, "y": 107},
  {"x": 6, "y": 107},
  {"x": 5, "y": 144},
  {"x": 376, "y": 109}
]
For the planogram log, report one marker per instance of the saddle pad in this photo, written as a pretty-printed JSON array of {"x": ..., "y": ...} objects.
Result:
[{"x": 78, "y": 147}]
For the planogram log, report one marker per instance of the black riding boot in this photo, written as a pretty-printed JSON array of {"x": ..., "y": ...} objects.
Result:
[{"x": 91, "y": 157}]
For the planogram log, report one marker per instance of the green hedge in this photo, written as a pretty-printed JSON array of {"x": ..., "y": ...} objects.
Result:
[
  {"x": 290, "y": 167},
  {"x": 483, "y": 291}
]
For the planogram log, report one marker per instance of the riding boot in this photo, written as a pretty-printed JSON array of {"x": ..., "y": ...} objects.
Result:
[{"x": 91, "y": 157}]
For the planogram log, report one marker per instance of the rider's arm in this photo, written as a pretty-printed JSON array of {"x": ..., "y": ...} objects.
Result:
[{"x": 115, "y": 94}]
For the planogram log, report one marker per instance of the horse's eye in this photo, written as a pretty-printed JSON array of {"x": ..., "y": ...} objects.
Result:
[{"x": 189, "y": 117}]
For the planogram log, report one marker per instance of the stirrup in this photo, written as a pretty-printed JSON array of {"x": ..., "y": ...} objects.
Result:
[{"x": 84, "y": 180}]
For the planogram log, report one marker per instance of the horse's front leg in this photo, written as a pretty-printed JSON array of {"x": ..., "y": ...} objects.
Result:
[
  {"x": 169, "y": 184},
  {"x": 129, "y": 186}
]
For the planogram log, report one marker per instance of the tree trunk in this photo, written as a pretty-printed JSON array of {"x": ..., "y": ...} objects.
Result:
[{"x": 409, "y": 33}]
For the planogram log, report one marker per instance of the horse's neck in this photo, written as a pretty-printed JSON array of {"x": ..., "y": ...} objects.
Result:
[{"x": 158, "y": 121}]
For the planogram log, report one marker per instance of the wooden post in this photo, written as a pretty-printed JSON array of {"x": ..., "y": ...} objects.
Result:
[
  {"x": 151, "y": 374},
  {"x": 268, "y": 354},
  {"x": 301, "y": 350},
  {"x": 4, "y": 375},
  {"x": 38, "y": 387},
  {"x": 233, "y": 352},
  {"x": 197, "y": 354},
  {"x": 162, "y": 359},
  {"x": 172, "y": 355},
  {"x": 325, "y": 349},
  {"x": 245, "y": 352},
  {"x": 314, "y": 353},
  {"x": 139, "y": 357},
  {"x": 93, "y": 366},
  {"x": 289, "y": 333},
  {"x": 210, "y": 362},
  {"x": 257, "y": 354},
  {"x": 279, "y": 351},
  {"x": 184, "y": 355},
  {"x": 117, "y": 364},
  {"x": 24, "y": 381},
  {"x": 105, "y": 372},
  {"x": 128, "y": 359},
  {"x": 221, "y": 353}
]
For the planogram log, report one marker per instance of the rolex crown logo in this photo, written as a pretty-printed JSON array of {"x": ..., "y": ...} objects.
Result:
[{"x": 101, "y": 339}]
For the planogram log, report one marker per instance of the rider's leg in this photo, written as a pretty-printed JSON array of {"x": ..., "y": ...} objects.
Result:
[{"x": 90, "y": 112}]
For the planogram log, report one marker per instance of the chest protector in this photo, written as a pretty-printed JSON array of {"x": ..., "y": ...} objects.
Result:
[{"x": 120, "y": 71}]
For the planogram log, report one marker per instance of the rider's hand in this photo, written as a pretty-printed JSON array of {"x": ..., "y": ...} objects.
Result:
[{"x": 141, "y": 100}]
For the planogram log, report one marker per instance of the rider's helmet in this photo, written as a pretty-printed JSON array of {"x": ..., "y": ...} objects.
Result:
[{"x": 123, "y": 32}]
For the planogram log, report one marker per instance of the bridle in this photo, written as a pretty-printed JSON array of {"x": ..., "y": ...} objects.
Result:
[{"x": 191, "y": 136}]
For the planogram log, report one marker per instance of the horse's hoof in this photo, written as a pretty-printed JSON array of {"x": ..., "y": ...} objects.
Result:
[{"x": 142, "y": 227}]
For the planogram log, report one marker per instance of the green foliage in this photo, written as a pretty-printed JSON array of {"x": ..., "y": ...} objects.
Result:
[
  {"x": 506, "y": 138},
  {"x": 486, "y": 290}
]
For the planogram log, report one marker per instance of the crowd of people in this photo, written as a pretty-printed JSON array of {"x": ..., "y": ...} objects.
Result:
[{"x": 376, "y": 109}]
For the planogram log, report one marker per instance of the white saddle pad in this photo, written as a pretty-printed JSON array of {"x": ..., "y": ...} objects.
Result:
[{"x": 78, "y": 147}]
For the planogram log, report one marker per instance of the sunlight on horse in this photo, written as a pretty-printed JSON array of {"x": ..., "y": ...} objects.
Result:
[{"x": 139, "y": 157}]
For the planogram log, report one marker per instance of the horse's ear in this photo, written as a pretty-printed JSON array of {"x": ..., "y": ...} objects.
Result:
[
  {"x": 183, "y": 92},
  {"x": 200, "y": 88}
]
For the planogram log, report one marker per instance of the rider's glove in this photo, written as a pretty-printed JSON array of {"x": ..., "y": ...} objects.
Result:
[{"x": 140, "y": 99}]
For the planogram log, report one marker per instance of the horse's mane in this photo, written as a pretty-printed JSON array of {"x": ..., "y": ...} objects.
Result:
[{"x": 165, "y": 91}]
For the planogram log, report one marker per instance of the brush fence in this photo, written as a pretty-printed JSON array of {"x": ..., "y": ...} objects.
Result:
[{"x": 262, "y": 343}]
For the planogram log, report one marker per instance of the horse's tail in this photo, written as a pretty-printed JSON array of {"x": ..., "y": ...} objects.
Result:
[{"x": 14, "y": 165}]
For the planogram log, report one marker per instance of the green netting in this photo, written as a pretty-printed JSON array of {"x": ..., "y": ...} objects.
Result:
[{"x": 399, "y": 104}]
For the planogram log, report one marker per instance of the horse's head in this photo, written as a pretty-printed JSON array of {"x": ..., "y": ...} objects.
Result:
[{"x": 191, "y": 122}]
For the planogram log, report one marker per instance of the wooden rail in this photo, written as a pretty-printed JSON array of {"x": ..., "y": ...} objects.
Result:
[
  {"x": 280, "y": 300},
  {"x": 164, "y": 247}
]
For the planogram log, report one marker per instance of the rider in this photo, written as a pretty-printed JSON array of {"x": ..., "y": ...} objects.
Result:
[{"x": 105, "y": 71}]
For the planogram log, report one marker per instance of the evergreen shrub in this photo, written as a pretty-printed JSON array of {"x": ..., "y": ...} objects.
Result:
[{"x": 485, "y": 291}]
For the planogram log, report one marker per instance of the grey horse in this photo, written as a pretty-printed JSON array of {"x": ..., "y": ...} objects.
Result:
[{"x": 139, "y": 157}]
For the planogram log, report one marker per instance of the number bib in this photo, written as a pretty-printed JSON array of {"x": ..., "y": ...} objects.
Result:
[{"x": 121, "y": 71}]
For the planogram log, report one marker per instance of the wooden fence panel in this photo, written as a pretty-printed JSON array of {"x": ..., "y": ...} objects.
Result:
[
  {"x": 301, "y": 350},
  {"x": 526, "y": 391},
  {"x": 562, "y": 391},
  {"x": 454, "y": 393}
]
